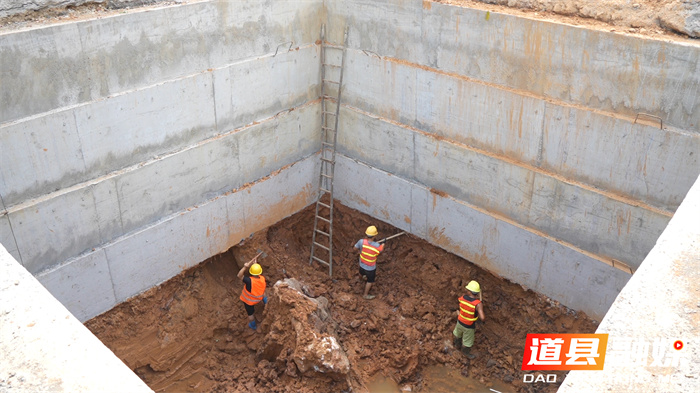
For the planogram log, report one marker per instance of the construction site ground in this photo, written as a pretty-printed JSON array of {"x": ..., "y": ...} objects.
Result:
[{"x": 190, "y": 333}]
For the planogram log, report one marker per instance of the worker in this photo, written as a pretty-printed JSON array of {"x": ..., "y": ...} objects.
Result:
[
  {"x": 470, "y": 309},
  {"x": 369, "y": 250},
  {"x": 253, "y": 289}
]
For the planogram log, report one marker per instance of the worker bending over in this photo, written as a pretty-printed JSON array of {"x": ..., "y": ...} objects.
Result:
[
  {"x": 253, "y": 289},
  {"x": 470, "y": 309},
  {"x": 369, "y": 251}
]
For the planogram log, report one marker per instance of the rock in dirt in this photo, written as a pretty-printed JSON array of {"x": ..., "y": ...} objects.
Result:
[{"x": 299, "y": 328}]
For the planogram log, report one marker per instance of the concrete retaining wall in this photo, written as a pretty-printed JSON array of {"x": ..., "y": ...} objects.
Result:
[
  {"x": 599, "y": 70},
  {"x": 513, "y": 124},
  {"x": 545, "y": 264},
  {"x": 641, "y": 355},
  {"x": 150, "y": 134},
  {"x": 128, "y": 127}
]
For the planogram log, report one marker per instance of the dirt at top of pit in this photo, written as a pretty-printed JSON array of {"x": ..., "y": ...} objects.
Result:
[
  {"x": 659, "y": 19},
  {"x": 191, "y": 334}
]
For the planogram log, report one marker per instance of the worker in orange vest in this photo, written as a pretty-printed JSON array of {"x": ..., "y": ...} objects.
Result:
[
  {"x": 470, "y": 309},
  {"x": 369, "y": 251},
  {"x": 253, "y": 289}
]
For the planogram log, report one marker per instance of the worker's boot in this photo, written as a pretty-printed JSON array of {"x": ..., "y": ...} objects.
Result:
[
  {"x": 457, "y": 342},
  {"x": 467, "y": 352}
]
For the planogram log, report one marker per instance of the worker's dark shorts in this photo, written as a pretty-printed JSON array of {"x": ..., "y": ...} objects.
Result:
[
  {"x": 249, "y": 309},
  {"x": 368, "y": 273}
]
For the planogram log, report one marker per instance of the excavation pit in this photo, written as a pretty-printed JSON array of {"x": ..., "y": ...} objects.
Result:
[
  {"x": 190, "y": 333},
  {"x": 137, "y": 143}
]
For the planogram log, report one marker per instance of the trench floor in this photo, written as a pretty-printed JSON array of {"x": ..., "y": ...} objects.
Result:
[{"x": 190, "y": 334}]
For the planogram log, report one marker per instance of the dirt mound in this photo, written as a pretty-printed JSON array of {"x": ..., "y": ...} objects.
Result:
[
  {"x": 191, "y": 334},
  {"x": 647, "y": 17},
  {"x": 300, "y": 334}
]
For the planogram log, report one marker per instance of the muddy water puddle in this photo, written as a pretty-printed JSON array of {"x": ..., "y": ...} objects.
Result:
[{"x": 440, "y": 379}]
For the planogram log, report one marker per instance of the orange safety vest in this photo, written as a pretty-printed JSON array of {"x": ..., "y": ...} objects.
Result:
[
  {"x": 467, "y": 310},
  {"x": 257, "y": 289},
  {"x": 369, "y": 253}
]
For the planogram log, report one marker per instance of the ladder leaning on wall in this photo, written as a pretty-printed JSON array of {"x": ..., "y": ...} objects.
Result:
[{"x": 332, "y": 65}]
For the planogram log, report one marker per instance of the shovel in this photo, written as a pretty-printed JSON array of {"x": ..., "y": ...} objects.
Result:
[{"x": 391, "y": 237}]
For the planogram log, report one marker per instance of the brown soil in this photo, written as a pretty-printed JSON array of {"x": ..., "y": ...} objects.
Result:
[
  {"x": 190, "y": 333},
  {"x": 655, "y": 18}
]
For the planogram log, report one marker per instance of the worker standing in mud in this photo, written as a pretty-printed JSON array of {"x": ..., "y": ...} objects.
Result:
[
  {"x": 253, "y": 289},
  {"x": 470, "y": 309},
  {"x": 369, "y": 251}
]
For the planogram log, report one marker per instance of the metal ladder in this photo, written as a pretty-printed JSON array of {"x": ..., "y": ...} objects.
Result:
[{"x": 331, "y": 82}]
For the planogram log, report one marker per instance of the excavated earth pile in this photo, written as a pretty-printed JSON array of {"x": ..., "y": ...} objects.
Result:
[{"x": 318, "y": 333}]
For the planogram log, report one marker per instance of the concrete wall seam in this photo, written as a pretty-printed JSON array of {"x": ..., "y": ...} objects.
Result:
[
  {"x": 556, "y": 136},
  {"x": 193, "y": 234},
  {"x": 556, "y": 60},
  {"x": 501, "y": 157},
  {"x": 92, "y": 139},
  {"x": 148, "y": 191},
  {"x": 607, "y": 261},
  {"x": 575, "y": 278},
  {"x": 66, "y": 64}
]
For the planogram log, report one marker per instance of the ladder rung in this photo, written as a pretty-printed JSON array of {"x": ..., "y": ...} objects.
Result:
[
  {"x": 328, "y": 176},
  {"x": 331, "y": 65},
  {"x": 328, "y": 113},
  {"x": 324, "y": 205},
  {"x": 327, "y": 128},
  {"x": 324, "y": 219},
  {"x": 322, "y": 261},
  {"x": 330, "y": 81},
  {"x": 328, "y": 160},
  {"x": 322, "y": 246},
  {"x": 332, "y": 46},
  {"x": 326, "y": 143},
  {"x": 325, "y": 190},
  {"x": 321, "y": 232},
  {"x": 326, "y": 96}
]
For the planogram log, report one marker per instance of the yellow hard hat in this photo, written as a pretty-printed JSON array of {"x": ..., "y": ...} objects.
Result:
[
  {"x": 473, "y": 286},
  {"x": 255, "y": 269},
  {"x": 371, "y": 231}
]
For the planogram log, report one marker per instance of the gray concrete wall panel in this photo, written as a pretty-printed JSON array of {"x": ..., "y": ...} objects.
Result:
[
  {"x": 494, "y": 119},
  {"x": 390, "y": 201},
  {"x": 539, "y": 262},
  {"x": 56, "y": 229},
  {"x": 254, "y": 90},
  {"x": 68, "y": 147},
  {"x": 177, "y": 181},
  {"x": 384, "y": 145},
  {"x": 592, "y": 221},
  {"x": 108, "y": 209},
  {"x": 278, "y": 142},
  {"x": 581, "y": 216},
  {"x": 63, "y": 225},
  {"x": 551, "y": 60},
  {"x": 39, "y": 155},
  {"x": 63, "y": 65},
  {"x": 133, "y": 127},
  {"x": 635, "y": 160},
  {"x": 7, "y": 238},
  {"x": 156, "y": 253},
  {"x": 83, "y": 286},
  {"x": 285, "y": 193}
]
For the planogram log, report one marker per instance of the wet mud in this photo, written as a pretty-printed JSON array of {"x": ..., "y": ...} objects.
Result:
[{"x": 190, "y": 333}]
